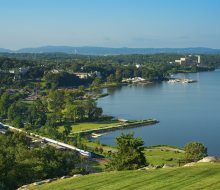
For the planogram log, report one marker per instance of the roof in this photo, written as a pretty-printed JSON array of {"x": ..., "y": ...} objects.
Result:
[{"x": 34, "y": 138}]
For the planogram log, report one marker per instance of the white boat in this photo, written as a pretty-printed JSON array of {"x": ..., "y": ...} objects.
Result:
[
  {"x": 171, "y": 81},
  {"x": 185, "y": 81}
]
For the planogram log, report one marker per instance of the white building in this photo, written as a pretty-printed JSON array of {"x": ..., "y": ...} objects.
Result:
[
  {"x": 138, "y": 65},
  {"x": 23, "y": 70},
  {"x": 81, "y": 75},
  {"x": 98, "y": 74}
]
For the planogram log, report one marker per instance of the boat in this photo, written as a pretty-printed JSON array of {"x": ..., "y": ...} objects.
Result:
[
  {"x": 185, "y": 81},
  {"x": 171, "y": 81}
]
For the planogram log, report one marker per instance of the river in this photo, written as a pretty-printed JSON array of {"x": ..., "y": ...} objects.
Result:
[{"x": 187, "y": 112}]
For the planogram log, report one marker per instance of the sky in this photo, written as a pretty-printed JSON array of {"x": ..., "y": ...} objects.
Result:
[{"x": 110, "y": 23}]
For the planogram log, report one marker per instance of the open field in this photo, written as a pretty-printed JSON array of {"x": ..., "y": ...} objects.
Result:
[
  {"x": 89, "y": 125},
  {"x": 203, "y": 176}
]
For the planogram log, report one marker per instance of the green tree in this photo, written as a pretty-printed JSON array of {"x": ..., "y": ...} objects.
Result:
[
  {"x": 195, "y": 150},
  {"x": 90, "y": 107},
  {"x": 97, "y": 112},
  {"x": 129, "y": 155},
  {"x": 13, "y": 111},
  {"x": 82, "y": 88},
  {"x": 78, "y": 137},
  {"x": 101, "y": 150},
  {"x": 57, "y": 99},
  {"x": 67, "y": 130},
  {"x": 111, "y": 78},
  {"x": 17, "y": 122},
  {"x": 32, "y": 114},
  {"x": 97, "y": 141},
  {"x": 4, "y": 105}
]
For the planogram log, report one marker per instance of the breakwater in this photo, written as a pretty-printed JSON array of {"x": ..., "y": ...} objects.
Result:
[{"x": 117, "y": 127}]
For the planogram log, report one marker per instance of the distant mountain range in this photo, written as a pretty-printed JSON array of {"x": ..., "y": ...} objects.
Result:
[{"x": 113, "y": 51}]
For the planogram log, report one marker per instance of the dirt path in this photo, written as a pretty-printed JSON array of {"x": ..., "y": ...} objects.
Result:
[{"x": 165, "y": 149}]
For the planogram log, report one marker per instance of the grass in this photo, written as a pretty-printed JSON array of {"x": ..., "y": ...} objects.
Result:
[
  {"x": 28, "y": 103},
  {"x": 163, "y": 146},
  {"x": 88, "y": 125},
  {"x": 163, "y": 153},
  {"x": 202, "y": 176},
  {"x": 34, "y": 82}
]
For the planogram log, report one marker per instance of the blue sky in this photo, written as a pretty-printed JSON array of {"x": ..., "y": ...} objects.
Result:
[{"x": 110, "y": 23}]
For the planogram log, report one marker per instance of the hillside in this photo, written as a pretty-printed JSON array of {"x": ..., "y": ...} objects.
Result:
[
  {"x": 202, "y": 176},
  {"x": 89, "y": 50}
]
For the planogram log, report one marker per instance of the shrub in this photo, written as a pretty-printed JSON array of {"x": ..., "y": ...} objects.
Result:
[
  {"x": 168, "y": 159},
  {"x": 101, "y": 150}
]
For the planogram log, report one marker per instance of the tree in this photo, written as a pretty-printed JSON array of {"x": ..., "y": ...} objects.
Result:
[
  {"x": 82, "y": 88},
  {"x": 13, "y": 111},
  {"x": 129, "y": 155},
  {"x": 4, "y": 105},
  {"x": 74, "y": 111},
  {"x": 195, "y": 150},
  {"x": 78, "y": 137},
  {"x": 97, "y": 141},
  {"x": 97, "y": 112},
  {"x": 18, "y": 123},
  {"x": 38, "y": 85},
  {"x": 111, "y": 78},
  {"x": 67, "y": 130},
  {"x": 101, "y": 150},
  {"x": 32, "y": 114},
  {"x": 90, "y": 107}
]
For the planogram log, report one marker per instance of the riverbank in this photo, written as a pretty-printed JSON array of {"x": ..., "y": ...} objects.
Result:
[{"x": 106, "y": 85}]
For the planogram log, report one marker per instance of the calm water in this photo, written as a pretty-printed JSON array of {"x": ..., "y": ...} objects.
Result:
[{"x": 187, "y": 112}]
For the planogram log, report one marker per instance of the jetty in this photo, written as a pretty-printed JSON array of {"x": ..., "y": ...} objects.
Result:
[{"x": 116, "y": 127}]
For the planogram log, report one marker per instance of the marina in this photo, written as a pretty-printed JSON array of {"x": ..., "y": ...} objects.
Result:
[{"x": 183, "y": 80}]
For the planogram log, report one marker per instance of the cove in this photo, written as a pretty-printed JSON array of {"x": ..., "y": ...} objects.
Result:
[{"x": 187, "y": 112}]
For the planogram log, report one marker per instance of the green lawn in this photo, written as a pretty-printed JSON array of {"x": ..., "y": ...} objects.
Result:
[
  {"x": 157, "y": 157},
  {"x": 28, "y": 103},
  {"x": 34, "y": 82},
  {"x": 163, "y": 153},
  {"x": 88, "y": 125},
  {"x": 203, "y": 176}
]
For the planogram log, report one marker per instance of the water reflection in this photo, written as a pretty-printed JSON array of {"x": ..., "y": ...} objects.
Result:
[{"x": 112, "y": 90}]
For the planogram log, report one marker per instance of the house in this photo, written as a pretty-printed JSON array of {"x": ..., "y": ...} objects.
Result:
[
  {"x": 81, "y": 75},
  {"x": 23, "y": 70},
  {"x": 14, "y": 71},
  {"x": 70, "y": 71},
  {"x": 54, "y": 71},
  {"x": 98, "y": 74},
  {"x": 17, "y": 77}
]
